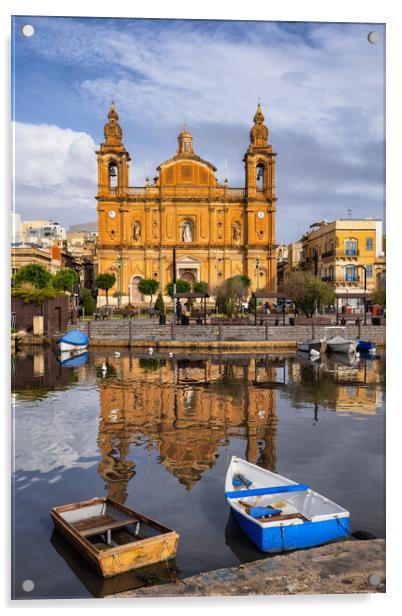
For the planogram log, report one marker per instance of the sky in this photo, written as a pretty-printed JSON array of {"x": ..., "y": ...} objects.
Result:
[{"x": 321, "y": 88}]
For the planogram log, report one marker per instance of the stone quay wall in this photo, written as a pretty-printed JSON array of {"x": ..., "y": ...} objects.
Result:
[{"x": 133, "y": 333}]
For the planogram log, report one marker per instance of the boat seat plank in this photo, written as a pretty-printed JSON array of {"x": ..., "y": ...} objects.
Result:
[
  {"x": 101, "y": 524},
  {"x": 286, "y": 516},
  {"x": 99, "y": 530},
  {"x": 293, "y": 487}
]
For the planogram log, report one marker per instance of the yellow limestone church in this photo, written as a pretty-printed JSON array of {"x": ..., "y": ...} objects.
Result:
[{"x": 218, "y": 231}]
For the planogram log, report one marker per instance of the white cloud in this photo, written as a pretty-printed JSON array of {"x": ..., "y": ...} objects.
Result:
[
  {"x": 321, "y": 88},
  {"x": 54, "y": 168}
]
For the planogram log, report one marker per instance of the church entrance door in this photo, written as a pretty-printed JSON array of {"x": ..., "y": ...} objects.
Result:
[{"x": 135, "y": 295}]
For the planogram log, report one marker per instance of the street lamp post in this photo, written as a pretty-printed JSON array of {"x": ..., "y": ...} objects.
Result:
[
  {"x": 174, "y": 286},
  {"x": 257, "y": 268},
  {"x": 118, "y": 279},
  {"x": 365, "y": 289}
]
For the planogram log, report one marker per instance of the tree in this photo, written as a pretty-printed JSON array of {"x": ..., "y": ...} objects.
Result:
[
  {"x": 308, "y": 292},
  {"x": 65, "y": 279},
  {"x": 33, "y": 273},
  {"x": 245, "y": 280},
  {"x": 105, "y": 282},
  {"x": 160, "y": 304},
  {"x": 200, "y": 287},
  {"x": 148, "y": 286},
  {"x": 88, "y": 302},
  {"x": 182, "y": 286},
  {"x": 378, "y": 296}
]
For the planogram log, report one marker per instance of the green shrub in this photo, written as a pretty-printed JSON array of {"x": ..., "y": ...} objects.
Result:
[
  {"x": 35, "y": 296},
  {"x": 88, "y": 302},
  {"x": 182, "y": 286},
  {"x": 34, "y": 273},
  {"x": 160, "y": 304}
]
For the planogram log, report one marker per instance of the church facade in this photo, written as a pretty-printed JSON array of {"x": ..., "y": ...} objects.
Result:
[{"x": 218, "y": 231}]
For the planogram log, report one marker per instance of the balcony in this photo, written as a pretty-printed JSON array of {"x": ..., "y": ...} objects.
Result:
[
  {"x": 328, "y": 253},
  {"x": 347, "y": 253}
]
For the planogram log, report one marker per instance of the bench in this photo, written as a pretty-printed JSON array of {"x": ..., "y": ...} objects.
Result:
[
  {"x": 197, "y": 317},
  {"x": 310, "y": 321},
  {"x": 266, "y": 318},
  {"x": 126, "y": 313},
  {"x": 152, "y": 313},
  {"x": 233, "y": 321},
  {"x": 104, "y": 312},
  {"x": 354, "y": 320}
]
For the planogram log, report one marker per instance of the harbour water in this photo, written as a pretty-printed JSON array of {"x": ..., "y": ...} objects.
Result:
[{"x": 156, "y": 431}]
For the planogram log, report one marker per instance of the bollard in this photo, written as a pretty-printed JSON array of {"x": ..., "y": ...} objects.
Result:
[
  {"x": 130, "y": 332},
  {"x": 89, "y": 329},
  {"x": 266, "y": 330},
  {"x": 219, "y": 331}
]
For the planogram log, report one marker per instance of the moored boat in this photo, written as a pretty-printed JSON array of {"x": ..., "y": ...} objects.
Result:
[
  {"x": 317, "y": 344},
  {"x": 278, "y": 514},
  {"x": 365, "y": 345},
  {"x": 339, "y": 343},
  {"x": 74, "y": 340},
  {"x": 113, "y": 538}
]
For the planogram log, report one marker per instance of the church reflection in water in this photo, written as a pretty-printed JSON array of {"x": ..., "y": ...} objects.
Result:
[{"x": 186, "y": 408}]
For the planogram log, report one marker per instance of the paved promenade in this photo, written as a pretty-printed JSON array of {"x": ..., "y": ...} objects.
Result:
[{"x": 343, "y": 567}]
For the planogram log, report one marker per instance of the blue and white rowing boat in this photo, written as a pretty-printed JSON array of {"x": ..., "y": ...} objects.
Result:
[
  {"x": 278, "y": 514},
  {"x": 73, "y": 340},
  {"x": 365, "y": 345}
]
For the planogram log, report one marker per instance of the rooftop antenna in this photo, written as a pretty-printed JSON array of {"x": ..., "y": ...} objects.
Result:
[{"x": 349, "y": 213}]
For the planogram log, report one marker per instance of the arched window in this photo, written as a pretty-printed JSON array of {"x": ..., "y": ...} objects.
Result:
[
  {"x": 351, "y": 248},
  {"x": 259, "y": 176},
  {"x": 112, "y": 175}
]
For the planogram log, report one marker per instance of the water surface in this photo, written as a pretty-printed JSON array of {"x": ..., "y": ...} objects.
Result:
[{"x": 156, "y": 432}]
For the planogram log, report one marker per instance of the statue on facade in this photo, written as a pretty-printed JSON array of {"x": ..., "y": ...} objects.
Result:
[
  {"x": 236, "y": 231},
  {"x": 136, "y": 231},
  {"x": 112, "y": 130},
  {"x": 187, "y": 232},
  {"x": 259, "y": 132}
]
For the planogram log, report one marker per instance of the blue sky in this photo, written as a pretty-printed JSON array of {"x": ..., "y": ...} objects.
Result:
[{"x": 321, "y": 88}]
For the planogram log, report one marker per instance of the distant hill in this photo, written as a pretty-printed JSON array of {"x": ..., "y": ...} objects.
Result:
[{"x": 85, "y": 226}]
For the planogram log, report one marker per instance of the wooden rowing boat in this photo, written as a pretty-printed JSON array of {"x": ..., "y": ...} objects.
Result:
[
  {"x": 113, "y": 538},
  {"x": 278, "y": 514}
]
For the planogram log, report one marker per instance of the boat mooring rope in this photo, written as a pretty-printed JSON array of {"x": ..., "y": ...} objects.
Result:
[{"x": 345, "y": 528}]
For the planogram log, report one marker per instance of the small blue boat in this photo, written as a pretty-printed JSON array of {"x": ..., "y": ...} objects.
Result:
[
  {"x": 278, "y": 514},
  {"x": 73, "y": 340},
  {"x": 365, "y": 345},
  {"x": 74, "y": 361}
]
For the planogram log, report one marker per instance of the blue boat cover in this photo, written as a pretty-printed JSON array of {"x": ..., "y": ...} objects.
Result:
[
  {"x": 262, "y": 512},
  {"x": 365, "y": 345},
  {"x": 75, "y": 337}
]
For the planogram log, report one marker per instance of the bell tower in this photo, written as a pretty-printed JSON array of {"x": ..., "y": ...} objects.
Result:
[
  {"x": 260, "y": 195},
  {"x": 260, "y": 161},
  {"x": 113, "y": 159}
]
